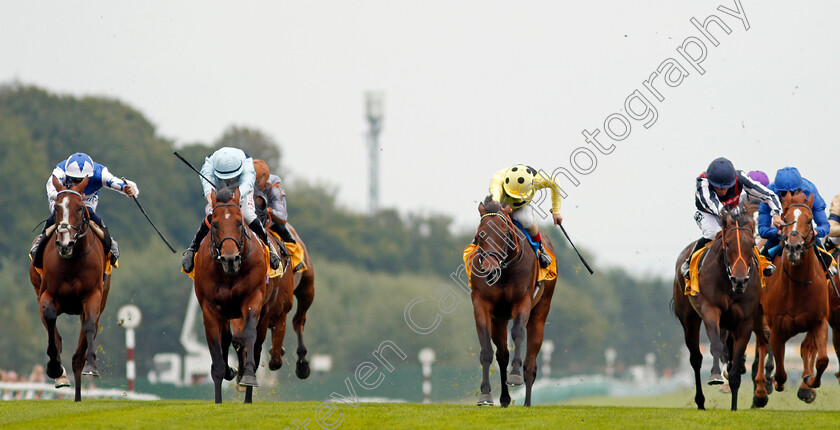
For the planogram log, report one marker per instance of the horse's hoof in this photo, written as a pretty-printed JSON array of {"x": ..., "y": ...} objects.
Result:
[
  {"x": 759, "y": 402},
  {"x": 275, "y": 364},
  {"x": 249, "y": 381},
  {"x": 230, "y": 373},
  {"x": 485, "y": 400},
  {"x": 807, "y": 395},
  {"x": 90, "y": 369},
  {"x": 716, "y": 379},
  {"x": 302, "y": 369},
  {"x": 515, "y": 380},
  {"x": 504, "y": 402},
  {"x": 62, "y": 381},
  {"x": 837, "y": 375},
  {"x": 55, "y": 370}
]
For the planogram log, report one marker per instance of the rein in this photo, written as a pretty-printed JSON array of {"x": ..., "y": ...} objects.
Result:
[
  {"x": 504, "y": 262},
  {"x": 216, "y": 248}
]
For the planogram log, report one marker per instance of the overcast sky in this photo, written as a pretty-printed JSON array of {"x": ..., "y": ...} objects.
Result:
[{"x": 471, "y": 87}]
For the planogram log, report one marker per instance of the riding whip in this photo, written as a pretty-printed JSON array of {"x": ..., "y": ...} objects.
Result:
[
  {"x": 582, "y": 260},
  {"x": 150, "y": 222},
  {"x": 193, "y": 168}
]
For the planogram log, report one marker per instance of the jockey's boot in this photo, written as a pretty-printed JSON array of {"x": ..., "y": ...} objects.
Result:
[
  {"x": 686, "y": 266},
  {"x": 826, "y": 260},
  {"x": 187, "y": 262},
  {"x": 283, "y": 231},
  {"x": 771, "y": 268},
  {"x": 37, "y": 244},
  {"x": 829, "y": 244},
  {"x": 545, "y": 259},
  {"x": 257, "y": 227},
  {"x": 110, "y": 244}
]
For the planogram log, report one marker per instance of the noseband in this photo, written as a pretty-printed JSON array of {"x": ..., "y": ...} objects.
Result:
[
  {"x": 740, "y": 258},
  {"x": 504, "y": 261},
  {"x": 84, "y": 224},
  {"x": 216, "y": 248}
]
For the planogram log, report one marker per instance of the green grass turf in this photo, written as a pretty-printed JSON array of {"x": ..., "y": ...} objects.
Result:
[{"x": 95, "y": 414}]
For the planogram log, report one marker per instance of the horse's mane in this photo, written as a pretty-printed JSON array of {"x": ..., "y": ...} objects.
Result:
[
  {"x": 225, "y": 194},
  {"x": 791, "y": 198},
  {"x": 741, "y": 217},
  {"x": 491, "y": 206}
]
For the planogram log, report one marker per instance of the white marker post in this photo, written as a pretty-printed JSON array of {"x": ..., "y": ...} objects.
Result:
[
  {"x": 547, "y": 349},
  {"x": 427, "y": 357},
  {"x": 129, "y": 317}
]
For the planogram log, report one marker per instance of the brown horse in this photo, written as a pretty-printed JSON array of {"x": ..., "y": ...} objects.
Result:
[
  {"x": 834, "y": 314},
  {"x": 796, "y": 297},
  {"x": 230, "y": 285},
  {"x": 729, "y": 298},
  {"x": 303, "y": 285},
  {"x": 72, "y": 283},
  {"x": 503, "y": 277}
]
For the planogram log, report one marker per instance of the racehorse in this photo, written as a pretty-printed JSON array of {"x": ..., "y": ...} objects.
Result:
[
  {"x": 303, "y": 285},
  {"x": 729, "y": 298},
  {"x": 503, "y": 277},
  {"x": 230, "y": 285},
  {"x": 834, "y": 314},
  {"x": 796, "y": 297},
  {"x": 73, "y": 282}
]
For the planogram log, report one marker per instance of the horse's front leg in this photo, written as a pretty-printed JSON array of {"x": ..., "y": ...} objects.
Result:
[
  {"x": 536, "y": 327},
  {"x": 213, "y": 330},
  {"x": 521, "y": 313},
  {"x": 304, "y": 294},
  {"x": 247, "y": 337},
  {"x": 814, "y": 355},
  {"x": 777, "y": 345},
  {"x": 759, "y": 377},
  {"x": 498, "y": 333},
  {"x": 481, "y": 311},
  {"x": 49, "y": 315},
  {"x": 711, "y": 320},
  {"x": 90, "y": 327},
  {"x": 741, "y": 339}
]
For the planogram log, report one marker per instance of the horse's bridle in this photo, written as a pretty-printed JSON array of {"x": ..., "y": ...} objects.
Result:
[
  {"x": 740, "y": 254},
  {"x": 84, "y": 224},
  {"x": 504, "y": 261},
  {"x": 810, "y": 239},
  {"x": 216, "y": 248}
]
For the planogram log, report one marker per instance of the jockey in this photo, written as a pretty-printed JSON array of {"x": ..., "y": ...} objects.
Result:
[
  {"x": 272, "y": 188},
  {"x": 833, "y": 238},
  {"x": 719, "y": 188},
  {"x": 229, "y": 167},
  {"x": 789, "y": 180},
  {"x": 516, "y": 186},
  {"x": 71, "y": 172},
  {"x": 761, "y": 178}
]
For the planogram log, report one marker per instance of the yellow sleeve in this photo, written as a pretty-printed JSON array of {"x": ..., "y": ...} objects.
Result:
[
  {"x": 544, "y": 181},
  {"x": 496, "y": 182},
  {"x": 834, "y": 210}
]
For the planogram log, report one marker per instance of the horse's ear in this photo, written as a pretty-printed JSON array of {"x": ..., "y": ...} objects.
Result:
[
  {"x": 481, "y": 209},
  {"x": 79, "y": 188},
  {"x": 57, "y": 184},
  {"x": 213, "y": 196},
  {"x": 236, "y": 195},
  {"x": 810, "y": 200},
  {"x": 507, "y": 210}
]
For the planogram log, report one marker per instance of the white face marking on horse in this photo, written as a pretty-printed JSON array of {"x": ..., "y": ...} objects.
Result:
[
  {"x": 60, "y": 217},
  {"x": 227, "y": 216},
  {"x": 796, "y": 213}
]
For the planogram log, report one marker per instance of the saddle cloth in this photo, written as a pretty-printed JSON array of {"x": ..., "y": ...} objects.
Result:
[
  {"x": 692, "y": 285},
  {"x": 295, "y": 250},
  {"x": 546, "y": 274}
]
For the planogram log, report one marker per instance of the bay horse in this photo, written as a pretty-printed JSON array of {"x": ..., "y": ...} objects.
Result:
[
  {"x": 796, "y": 297},
  {"x": 73, "y": 283},
  {"x": 303, "y": 287},
  {"x": 834, "y": 314},
  {"x": 729, "y": 299},
  {"x": 230, "y": 285},
  {"x": 503, "y": 276}
]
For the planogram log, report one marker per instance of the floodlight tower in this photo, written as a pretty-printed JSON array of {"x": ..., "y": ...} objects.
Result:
[{"x": 374, "y": 111}]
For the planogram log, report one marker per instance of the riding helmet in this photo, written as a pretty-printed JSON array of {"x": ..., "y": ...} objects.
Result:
[{"x": 721, "y": 173}]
